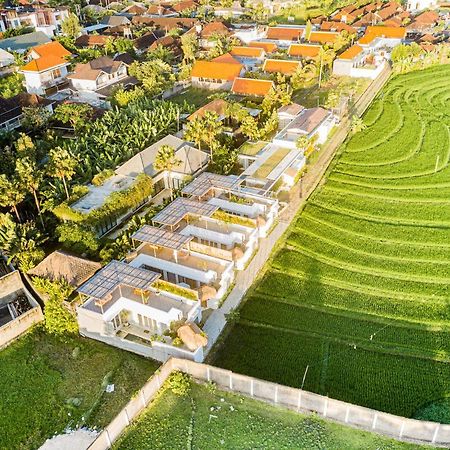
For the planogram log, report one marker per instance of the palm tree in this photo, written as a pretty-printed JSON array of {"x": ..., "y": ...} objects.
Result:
[
  {"x": 62, "y": 166},
  {"x": 326, "y": 58},
  {"x": 166, "y": 160},
  {"x": 11, "y": 194},
  {"x": 195, "y": 131},
  {"x": 30, "y": 178},
  {"x": 357, "y": 125}
]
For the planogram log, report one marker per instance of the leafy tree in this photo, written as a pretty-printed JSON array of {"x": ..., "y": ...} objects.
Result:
[
  {"x": 71, "y": 26},
  {"x": 249, "y": 128},
  {"x": 11, "y": 85},
  {"x": 155, "y": 75},
  {"x": 189, "y": 46},
  {"x": 179, "y": 383},
  {"x": 58, "y": 319},
  {"x": 278, "y": 96},
  {"x": 25, "y": 146},
  {"x": 20, "y": 242},
  {"x": 122, "y": 97},
  {"x": 11, "y": 193},
  {"x": 225, "y": 159},
  {"x": 326, "y": 58},
  {"x": 30, "y": 177},
  {"x": 77, "y": 114},
  {"x": 306, "y": 143},
  {"x": 303, "y": 75},
  {"x": 161, "y": 53},
  {"x": 166, "y": 160},
  {"x": 77, "y": 238},
  {"x": 308, "y": 30},
  {"x": 222, "y": 44},
  {"x": 35, "y": 118},
  {"x": 258, "y": 13},
  {"x": 62, "y": 166}
]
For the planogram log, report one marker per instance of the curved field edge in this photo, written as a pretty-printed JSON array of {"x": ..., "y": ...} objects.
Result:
[{"x": 355, "y": 301}]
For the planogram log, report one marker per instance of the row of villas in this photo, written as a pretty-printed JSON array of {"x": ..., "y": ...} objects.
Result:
[{"x": 182, "y": 264}]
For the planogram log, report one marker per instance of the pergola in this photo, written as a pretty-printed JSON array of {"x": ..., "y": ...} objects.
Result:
[
  {"x": 207, "y": 181},
  {"x": 115, "y": 275},
  {"x": 180, "y": 209}
]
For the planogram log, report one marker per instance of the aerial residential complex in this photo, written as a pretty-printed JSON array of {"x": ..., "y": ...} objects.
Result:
[{"x": 242, "y": 196}]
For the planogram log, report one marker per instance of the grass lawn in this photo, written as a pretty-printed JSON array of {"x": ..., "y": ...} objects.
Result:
[
  {"x": 358, "y": 292},
  {"x": 194, "y": 97},
  {"x": 270, "y": 163},
  {"x": 221, "y": 420},
  {"x": 48, "y": 384},
  {"x": 251, "y": 148}
]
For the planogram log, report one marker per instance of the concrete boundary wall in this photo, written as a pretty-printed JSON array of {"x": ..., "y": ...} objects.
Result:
[{"x": 367, "y": 419}]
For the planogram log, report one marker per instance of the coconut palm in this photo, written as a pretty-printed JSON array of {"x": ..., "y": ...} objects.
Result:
[
  {"x": 326, "y": 58},
  {"x": 11, "y": 194},
  {"x": 166, "y": 160},
  {"x": 357, "y": 125},
  {"x": 62, "y": 166}
]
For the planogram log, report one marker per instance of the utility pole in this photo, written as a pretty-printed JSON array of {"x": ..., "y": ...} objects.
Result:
[{"x": 304, "y": 376}]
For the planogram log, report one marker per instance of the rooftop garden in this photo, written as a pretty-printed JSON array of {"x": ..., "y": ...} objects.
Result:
[
  {"x": 251, "y": 148},
  {"x": 51, "y": 384},
  {"x": 270, "y": 163}
]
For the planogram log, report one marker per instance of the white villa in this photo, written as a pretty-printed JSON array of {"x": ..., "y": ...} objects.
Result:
[{"x": 125, "y": 306}]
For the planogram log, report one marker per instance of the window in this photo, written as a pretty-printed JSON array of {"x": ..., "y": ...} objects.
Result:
[{"x": 56, "y": 73}]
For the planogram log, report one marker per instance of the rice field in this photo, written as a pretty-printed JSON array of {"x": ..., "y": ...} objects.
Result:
[{"x": 357, "y": 301}]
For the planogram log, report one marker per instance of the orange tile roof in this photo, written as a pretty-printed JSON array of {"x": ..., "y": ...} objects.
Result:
[
  {"x": 284, "y": 34},
  {"x": 351, "y": 52},
  {"x": 216, "y": 70},
  {"x": 323, "y": 37},
  {"x": 50, "y": 55},
  {"x": 218, "y": 106},
  {"x": 373, "y": 32},
  {"x": 251, "y": 52},
  {"x": 393, "y": 22},
  {"x": 226, "y": 58},
  {"x": 304, "y": 50},
  {"x": 281, "y": 66},
  {"x": 337, "y": 26},
  {"x": 268, "y": 47},
  {"x": 250, "y": 86}
]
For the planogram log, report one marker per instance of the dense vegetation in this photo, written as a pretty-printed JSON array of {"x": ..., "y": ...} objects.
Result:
[
  {"x": 212, "y": 419},
  {"x": 48, "y": 384},
  {"x": 358, "y": 295}
]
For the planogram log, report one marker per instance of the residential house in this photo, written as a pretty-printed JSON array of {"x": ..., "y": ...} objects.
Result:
[
  {"x": 215, "y": 74},
  {"x": 250, "y": 57},
  {"x": 304, "y": 51},
  {"x": 357, "y": 63},
  {"x": 337, "y": 27},
  {"x": 11, "y": 109},
  {"x": 310, "y": 123},
  {"x": 47, "y": 68},
  {"x": 193, "y": 161},
  {"x": 382, "y": 39},
  {"x": 170, "y": 43},
  {"x": 235, "y": 11},
  {"x": 206, "y": 33},
  {"x": 323, "y": 37},
  {"x": 160, "y": 10},
  {"x": 91, "y": 40},
  {"x": 116, "y": 21},
  {"x": 424, "y": 22},
  {"x": 142, "y": 44},
  {"x": 268, "y": 47},
  {"x": 130, "y": 308},
  {"x": 286, "y": 114},
  {"x": 135, "y": 9},
  {"x": 6, "y": 61},
  {"x": 284, "y": 36},
  {"x": 165, "y": 24},
  {"x": 418, "y": 5},
  {"x": 24, "y": 42},
  {"x": 284, "y": 66},
  {"x": 94, "y": 81},
  {"x": 251, "y": 87},
  {"x": 19, "y": 310}
]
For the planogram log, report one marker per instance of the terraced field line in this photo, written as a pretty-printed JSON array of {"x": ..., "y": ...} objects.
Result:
[{"x": 298, "y": 196}]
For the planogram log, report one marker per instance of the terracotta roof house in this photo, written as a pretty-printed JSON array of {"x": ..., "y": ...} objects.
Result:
[
  {"x": 143, "y": 43},
  {"x": 218, "y": 106},
  {"x": 337, "y": 26},
  {"x": 285, "y": 34},
  {"x": 91, "y": 40},
  {"x": 323, "y": 37},
  {"x": 185, "y": 5},
  {"x": 227, "y": 58},
  {"x": 215, "y": 75},
  {"x": 376, "y": 36},
  {"x": 165, "y": 23},
  {"x": 115, "y": 21},
  {"x": 351, "y": 52},
  {"x": 170, "y": 43},
  {"x": 95, "y": 80},
  {"x": 268, "y": 47},
  {"x": 251, "y": 87},
  {"x": 306, "y": 51},
  {"x": 135, "y": 8},
  {"x": 11, "y": 109},
  {"x": 47, "y": 67},
  {"x": 160, "y": 10},
  {"x": 63, "y": 266},
  {"x": 424, "y": 21},
  {"x": 281, "y": 66},
  {"x": 393, "y": 22},
  {"x": 206, "y": 32},
  {"x": 249, "y": 56}
]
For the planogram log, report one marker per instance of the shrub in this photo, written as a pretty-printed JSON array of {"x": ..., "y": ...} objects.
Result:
[
  {"x": 77, "y": 238},
  {"x": 102, "y": 176},
  {"x": 179, "y": 383}
]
